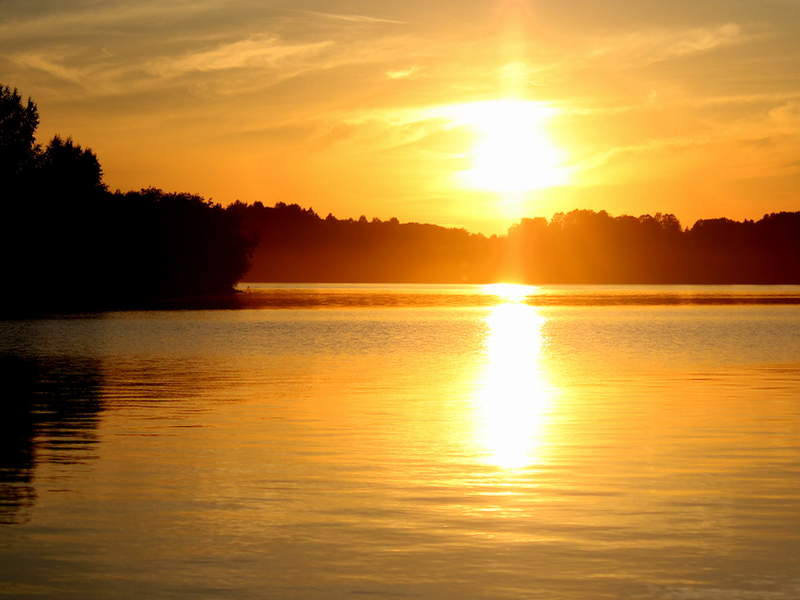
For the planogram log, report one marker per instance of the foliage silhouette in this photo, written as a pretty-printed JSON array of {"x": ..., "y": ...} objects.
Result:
[
  {"x": 65, "y": 166},
  {"x": 295, "y": 244},
  {"x": 94, "y": 249},
  {"x": 18, "y": 123},
  {"x": 579, "y": 247}
]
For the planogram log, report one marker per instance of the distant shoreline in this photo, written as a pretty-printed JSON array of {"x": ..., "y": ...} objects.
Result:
[
  {"x": 309, "y": 295},
  {"x": 21, "y": 309}
]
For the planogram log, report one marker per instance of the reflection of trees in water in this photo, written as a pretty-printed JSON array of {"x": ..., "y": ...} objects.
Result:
[{"x": 50, "y": 410}]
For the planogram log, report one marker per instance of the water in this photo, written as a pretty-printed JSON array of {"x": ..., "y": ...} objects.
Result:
[{"x": 457, "y": 442}]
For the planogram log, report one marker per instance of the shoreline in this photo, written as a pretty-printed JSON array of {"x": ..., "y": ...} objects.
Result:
[{"x": 317, "y": 296}]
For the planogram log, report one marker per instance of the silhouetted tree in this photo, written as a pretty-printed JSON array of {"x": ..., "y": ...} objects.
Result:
[
  {"x": 295, "y": 244},
  {"x": 64, "y": 165},
  {"x": 169, "y": 244},
  {"x": 91, "y": 249},
  {"x": 18, "y": 123},
  {"x": 582, "y": 246}
]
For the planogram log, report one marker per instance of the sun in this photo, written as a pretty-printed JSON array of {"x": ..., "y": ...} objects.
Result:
[{"x": 514, "y": 153}]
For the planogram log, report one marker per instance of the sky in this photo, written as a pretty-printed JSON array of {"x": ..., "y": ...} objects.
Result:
[{"x": 461, "y": 113}]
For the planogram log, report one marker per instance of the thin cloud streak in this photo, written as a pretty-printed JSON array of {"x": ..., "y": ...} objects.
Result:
[
  {"x": 649, "y": 46},
  {"x": 645, "y": 46},
  {"x": 259, "y": 51},
  {"x": 411, "y": 72},
  {"x": 107, "y": 19},
  {"x": 350, "y": 18}
]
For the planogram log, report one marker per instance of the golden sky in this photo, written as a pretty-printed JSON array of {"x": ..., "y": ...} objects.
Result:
[{"x": 462, "y": 113}]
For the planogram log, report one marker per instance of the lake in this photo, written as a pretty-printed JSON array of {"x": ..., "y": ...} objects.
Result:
[{"x": 443, "y": 442}]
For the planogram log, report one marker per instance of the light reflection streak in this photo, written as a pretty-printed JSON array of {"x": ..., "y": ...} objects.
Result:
[{"x": 514, "y": 396}]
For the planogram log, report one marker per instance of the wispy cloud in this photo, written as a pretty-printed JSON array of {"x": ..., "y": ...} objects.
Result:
[
  {"x": 351, "y": 18},
  {"x": 653, "y": 45},
  {"x": 697, "y": 40},
  {"x": 103, "y": 19},
  {"x": 247, "y": 66},
  {"x": 47, "y": 65},
  {"x": 263, "y": 50},
  {"x": 85, "y": 71},
  {"x": 786, "y": 114},
  {"x": 411, "y": 72},
  {"x": 735, "y": 150}
]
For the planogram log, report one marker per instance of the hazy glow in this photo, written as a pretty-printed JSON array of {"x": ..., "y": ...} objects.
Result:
[
  {"x": 514, "y": 397},
  {"x": 513, "y": 154}
]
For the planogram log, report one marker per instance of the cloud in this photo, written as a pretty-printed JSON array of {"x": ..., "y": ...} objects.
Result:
[
  {"x": 742, "y": 149},
  {"x": 701, "y": 40},
  {"x": 107, "y": 18},
  {"x": 263, "y": 50},
  {"x": 351, "y": 18},
  {"x": 654, "y": 45},
  {"x": 246, "y": 67},
  {"x": 411, "y": 72},
  {"x": 382, "y": 130},
  {"x": 786, "y": 114},
  {"x": 47, "y": 65},
  {"x": 82, "y": 70}
]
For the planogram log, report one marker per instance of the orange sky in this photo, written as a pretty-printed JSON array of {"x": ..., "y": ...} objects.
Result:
[{"x": 460, "y": 113}]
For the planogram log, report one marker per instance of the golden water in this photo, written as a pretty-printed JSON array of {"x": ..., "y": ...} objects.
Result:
[{"x": 572, "y": 449}]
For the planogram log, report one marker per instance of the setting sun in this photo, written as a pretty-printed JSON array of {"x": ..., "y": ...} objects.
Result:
[{"x": 514, "y": 153}]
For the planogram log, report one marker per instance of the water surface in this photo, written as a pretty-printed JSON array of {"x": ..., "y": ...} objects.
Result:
[{"x": 388, "y": 441}]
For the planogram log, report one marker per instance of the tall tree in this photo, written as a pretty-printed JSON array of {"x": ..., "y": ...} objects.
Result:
[
  {"x": 65, "y": 165},
  {"x": 18, "y": 123}
]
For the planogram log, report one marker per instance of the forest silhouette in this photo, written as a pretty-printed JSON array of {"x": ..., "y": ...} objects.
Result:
[
  {"x": 69, "y": 244},
  {"x": 582, "y": 246}
]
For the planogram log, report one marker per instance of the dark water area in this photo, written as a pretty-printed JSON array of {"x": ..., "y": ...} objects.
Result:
[
  {"x": 407, "y": 441},
  {"x": 50, "y": 411}
]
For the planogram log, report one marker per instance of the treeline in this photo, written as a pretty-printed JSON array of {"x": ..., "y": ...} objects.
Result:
[
  {"x": 68, "y": 243},
  {"x": 295, "y": 244},
  {"x": 582, "y": 246}
]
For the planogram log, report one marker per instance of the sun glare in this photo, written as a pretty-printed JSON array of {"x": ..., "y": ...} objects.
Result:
[
  {"x": 514, "y": 153},
  {"x": 510, "y": 292},
  {"x": 515, "y": 397}
]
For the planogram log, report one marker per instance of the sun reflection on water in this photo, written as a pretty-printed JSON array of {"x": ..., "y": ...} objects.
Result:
[{"x": 514, "y": 396}]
